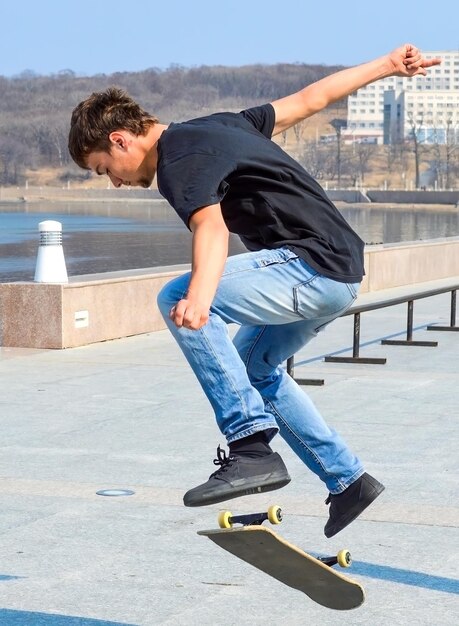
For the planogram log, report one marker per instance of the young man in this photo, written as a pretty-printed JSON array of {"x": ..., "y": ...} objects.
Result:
[{"x": 222, "y": 173}]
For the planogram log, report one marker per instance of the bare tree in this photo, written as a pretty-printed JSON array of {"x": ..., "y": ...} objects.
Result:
[
  {"x": 338, "y": 124},
  {"x": 299, "y": 129},
  {"x": 451, "y": 152},
  {"x": 416, "y": 127},
  {"x": 318, "y": 159},
  {"x": 362, "y": 154},
  {"x": 443, "y": 151},
  {"x": 390, "y": 155},
  {"x": 12, "y": 156}
]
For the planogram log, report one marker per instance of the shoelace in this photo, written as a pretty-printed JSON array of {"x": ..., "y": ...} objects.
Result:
[{"x": 222, "y": 460}]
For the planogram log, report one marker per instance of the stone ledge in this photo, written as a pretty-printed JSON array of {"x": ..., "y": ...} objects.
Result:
[
  {"x": 86, "y": 310},
  {"x": 101, "y": 307}
]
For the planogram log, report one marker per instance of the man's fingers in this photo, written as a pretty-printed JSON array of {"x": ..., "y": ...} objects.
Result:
[
  {"x": 412, "y": 58},
  {"x": 410, "y": 51},
  {"x": 414, "y": 61},
  {"x": 419, "y": 65},
  {"x": 176, "y": 315},
  {"x": 185, "y": 315},
  {"x": 431, "y": 62}
]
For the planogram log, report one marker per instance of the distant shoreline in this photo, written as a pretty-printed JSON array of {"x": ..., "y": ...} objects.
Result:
[
  {"x": 369, "y": 206},
  {"x": 449, "y": 208},
  {"x": 21, "y": 196}
]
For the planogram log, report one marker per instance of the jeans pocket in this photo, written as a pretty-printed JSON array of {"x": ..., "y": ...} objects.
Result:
[
  {"x": 274, "y": 257},
  {"x": 354, "y": 289},
  {"x": 321, "y": 297}
]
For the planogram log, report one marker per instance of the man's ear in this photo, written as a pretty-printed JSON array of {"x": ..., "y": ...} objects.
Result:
[{"x": 118, "y": 139}]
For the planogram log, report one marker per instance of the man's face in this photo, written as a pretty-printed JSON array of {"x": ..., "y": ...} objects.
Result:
[{"x": 125, "y": 164}]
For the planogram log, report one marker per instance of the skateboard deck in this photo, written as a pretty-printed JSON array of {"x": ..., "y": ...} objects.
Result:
[{"x": 269, "y": 552}]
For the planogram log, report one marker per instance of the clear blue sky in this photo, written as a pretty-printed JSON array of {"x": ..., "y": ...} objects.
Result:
[{"x": 100, "y": 36}]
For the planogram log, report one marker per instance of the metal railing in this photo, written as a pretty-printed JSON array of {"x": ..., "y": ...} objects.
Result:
[{"x": 386, "y": 301}]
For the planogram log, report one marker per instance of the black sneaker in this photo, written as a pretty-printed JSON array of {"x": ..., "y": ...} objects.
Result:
[
  {"x": 239, "y": 476},
  {"x": 346, "y": 506}
]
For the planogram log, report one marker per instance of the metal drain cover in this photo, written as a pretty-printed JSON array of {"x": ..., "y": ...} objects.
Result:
[{"x": 115, "y": 492}]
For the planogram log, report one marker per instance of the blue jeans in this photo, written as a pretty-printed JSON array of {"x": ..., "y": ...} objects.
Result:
[{"x": 280, "y": 303}]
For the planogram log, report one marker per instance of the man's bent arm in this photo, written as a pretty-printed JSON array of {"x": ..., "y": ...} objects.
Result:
[
  {"x": 404, "y": 61},
  {"x": 210, "y": 251}
]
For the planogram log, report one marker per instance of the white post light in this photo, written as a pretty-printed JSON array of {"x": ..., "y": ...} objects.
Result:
[{"x": 50, "y": 267}]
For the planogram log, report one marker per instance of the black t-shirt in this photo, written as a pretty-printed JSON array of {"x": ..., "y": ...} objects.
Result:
[{"x": 267, "y": 197}]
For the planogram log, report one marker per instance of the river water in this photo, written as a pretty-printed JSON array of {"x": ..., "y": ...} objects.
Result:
[{"x": 110, "y": 236}]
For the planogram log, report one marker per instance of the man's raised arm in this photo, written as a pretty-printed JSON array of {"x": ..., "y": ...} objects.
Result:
[{"x": 406, "y": 61}]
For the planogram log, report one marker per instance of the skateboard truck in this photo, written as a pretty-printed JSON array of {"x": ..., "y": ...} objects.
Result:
[
  {"x": 343, "y": 559},
  {"x": 227, "y": 520},
  {"x": 274, "y": 515}
]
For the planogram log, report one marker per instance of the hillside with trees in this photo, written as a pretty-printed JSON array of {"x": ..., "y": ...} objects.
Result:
[
  {"x": 35, "y": 113},
  {"x": 35, "y": 110}
]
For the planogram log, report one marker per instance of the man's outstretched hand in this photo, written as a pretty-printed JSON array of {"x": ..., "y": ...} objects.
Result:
[{"x": 408, "y": 61}]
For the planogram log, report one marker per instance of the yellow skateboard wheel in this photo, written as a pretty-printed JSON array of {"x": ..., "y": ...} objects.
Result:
[
  {"x": 224, "y": 519},
  {"x": 275, "y": 514},
  {"x": 344, "y": 558}
]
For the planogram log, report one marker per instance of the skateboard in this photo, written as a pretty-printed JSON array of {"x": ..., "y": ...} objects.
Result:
[{"x": 269, "y": 552}]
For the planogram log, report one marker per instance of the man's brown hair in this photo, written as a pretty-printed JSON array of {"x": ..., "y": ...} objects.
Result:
[{"x": 101, "y": 114}]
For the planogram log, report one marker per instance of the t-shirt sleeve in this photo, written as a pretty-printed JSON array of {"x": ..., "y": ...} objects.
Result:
[
  {"x": 262, "y": 118},
  {"x": 195, "y": 180}
]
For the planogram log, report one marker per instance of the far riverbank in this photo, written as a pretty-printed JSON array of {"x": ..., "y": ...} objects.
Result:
[
  {"x": 389, "y": 199},
  {"x": 369, "y": 206}
]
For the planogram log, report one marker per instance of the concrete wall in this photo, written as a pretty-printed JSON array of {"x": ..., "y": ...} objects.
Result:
[
  {"x": 352, "y": 196},
  {"x": 118, "y": 304},
  {"x": 395, "y": 265},
  {"x": 86, "y": 310},
  {"x": 413, "y": 197}
]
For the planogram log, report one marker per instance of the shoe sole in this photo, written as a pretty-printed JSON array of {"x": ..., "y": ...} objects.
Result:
[
  {"x": 247, "y": 490},
  {"x": 354, "y": 512}
]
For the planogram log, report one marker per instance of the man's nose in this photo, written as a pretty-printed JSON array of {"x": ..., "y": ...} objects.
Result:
[{"x": 116, "y": 182}]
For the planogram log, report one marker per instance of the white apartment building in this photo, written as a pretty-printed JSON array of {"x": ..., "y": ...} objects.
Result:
[
  {"x": 409, "y": 101},
  {"x": 432, "y": 115}
]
